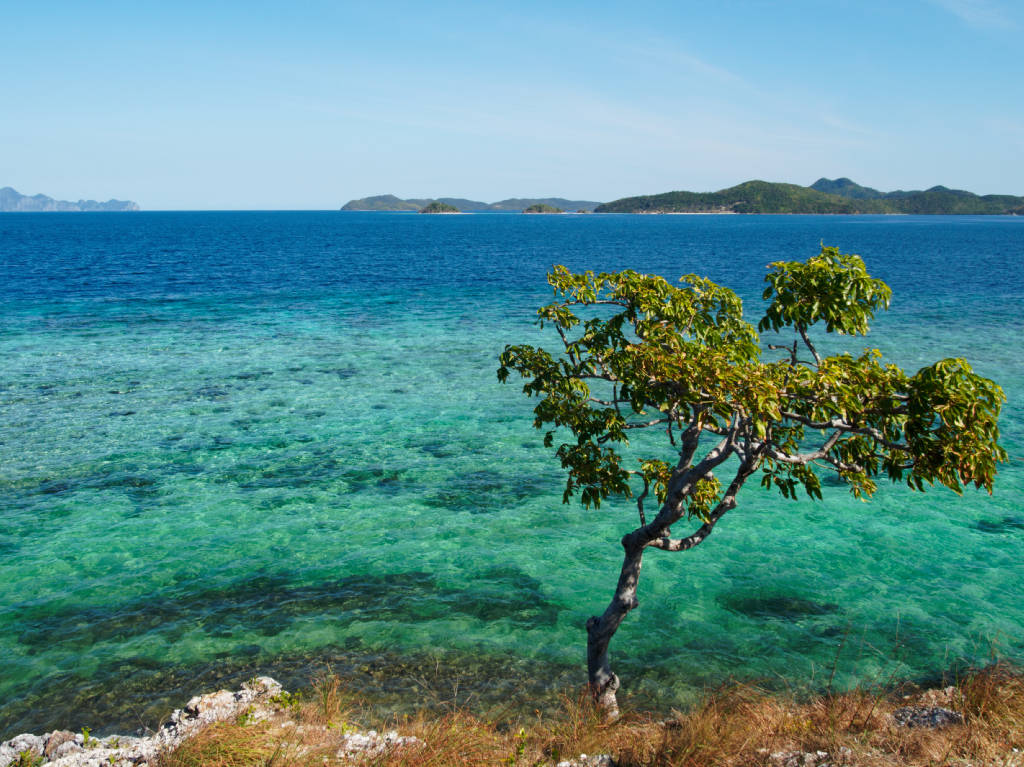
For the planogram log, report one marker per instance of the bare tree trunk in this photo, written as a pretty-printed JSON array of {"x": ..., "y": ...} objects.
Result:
[{"x": 600, "y": 630}]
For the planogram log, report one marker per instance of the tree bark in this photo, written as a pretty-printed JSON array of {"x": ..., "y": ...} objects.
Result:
[{"x": 600, "y": 630}]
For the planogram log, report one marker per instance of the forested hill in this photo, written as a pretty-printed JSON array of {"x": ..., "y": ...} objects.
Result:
[
  {"x": 844, "y": 187},
  {"x": 824, "y": 196},
  {"x": 938, "y": 199}
]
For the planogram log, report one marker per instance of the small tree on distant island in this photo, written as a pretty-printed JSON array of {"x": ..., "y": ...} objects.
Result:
[{"x": 683, "y": 361}]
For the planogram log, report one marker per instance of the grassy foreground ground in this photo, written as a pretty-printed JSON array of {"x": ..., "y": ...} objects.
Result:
[{"x": 739, "y": 725}]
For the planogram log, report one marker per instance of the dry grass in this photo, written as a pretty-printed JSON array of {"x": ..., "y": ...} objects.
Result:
[
  {"x": 227, "y": 745},
  {"x": 454, "y": 739},
  {"x": 738, "y": 726}
]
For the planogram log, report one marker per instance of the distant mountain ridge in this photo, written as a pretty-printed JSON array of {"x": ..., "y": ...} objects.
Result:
[
  {"x": 839, "y": 195},
  {"x": 11, "y": 201},
  {"x": 938, "y": 199},
  {"x": 390, "y": 202}
]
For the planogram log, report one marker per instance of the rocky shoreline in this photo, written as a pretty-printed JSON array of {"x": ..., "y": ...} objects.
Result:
[
  {"x": 262, "y": 698},
  {"x": 255, "y": 701},
  {"x": 62, "y": 748}
]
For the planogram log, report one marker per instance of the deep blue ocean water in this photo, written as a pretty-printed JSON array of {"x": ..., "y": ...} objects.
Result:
[{"x": 262, "y": 442}]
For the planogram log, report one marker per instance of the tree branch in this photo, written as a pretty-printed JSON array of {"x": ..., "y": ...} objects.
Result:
[
  {"x": 728, "y": 502},
  {"x": 847, "y": 428},
  {"x": 793, "y": 361},
  {"x": 640, "y": 500},
  {"x": 690, "y": 439},
  {"x": 682, "y": 484},
  {"x": 842, "y": 466},
  {"x": 641, "y": 425},
  {"x": 614, "y": 402},
  {"x": 568, "y": 347},
  {"x": 802, "y": 459},
  {"x": 814, "y": 352}
]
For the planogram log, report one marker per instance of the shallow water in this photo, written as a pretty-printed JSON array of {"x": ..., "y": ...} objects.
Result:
[{"x": 239, "y": 442}]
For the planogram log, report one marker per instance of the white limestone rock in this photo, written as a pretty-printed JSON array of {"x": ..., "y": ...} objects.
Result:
[
  {"x": 598, "y": 760},
  {"x": 373, "y": 744},
  {"x": 57, "y": 749},
  {"x": 809, "y": 758}
]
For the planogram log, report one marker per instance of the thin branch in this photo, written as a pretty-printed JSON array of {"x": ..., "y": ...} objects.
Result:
[
  {"x": 640, "y": 425},
  {"x": 803, "y": 334},
  {"x": 802, "y": 459},
  {"x": 842, "y": 466},
  {"x": 605, "y": 437},
  {"x": 791, "y": 350},
  {"x": 568, "y": 347},
  {"x": 640, "y": 500},
  {"x": 847, "y": 428},
  {"x": 598, "y": 302}
]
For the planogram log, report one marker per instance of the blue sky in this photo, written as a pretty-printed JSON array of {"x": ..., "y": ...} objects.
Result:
[{"x": 239, "y": 105}]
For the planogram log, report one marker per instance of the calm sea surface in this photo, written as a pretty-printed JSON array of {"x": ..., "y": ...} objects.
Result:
[{"x": 262, "y": 442}]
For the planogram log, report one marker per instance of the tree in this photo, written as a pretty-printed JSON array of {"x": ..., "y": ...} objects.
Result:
[{"x": 639, "y": 355}]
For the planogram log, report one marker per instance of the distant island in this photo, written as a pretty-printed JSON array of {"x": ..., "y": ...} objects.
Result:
[
  {"x": 388, "y": 202},
  {"x": 540, "y": 207},
  {"x": 439, "y": 207},
  {"x": 823, "y": 196},
  {"x": 13, "y": 202}
]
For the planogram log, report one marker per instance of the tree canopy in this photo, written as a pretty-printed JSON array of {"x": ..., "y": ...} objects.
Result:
[{"x": 637, "y": 354}]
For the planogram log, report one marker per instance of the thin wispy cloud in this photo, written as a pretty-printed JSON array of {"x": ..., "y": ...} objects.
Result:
[
  {"x": 835, "y": 122},
  {"x": 666, "y": 54},
  {"x": 978, "y": 13}
]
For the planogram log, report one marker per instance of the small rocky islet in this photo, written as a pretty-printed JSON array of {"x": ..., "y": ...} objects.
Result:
[{"x": 439, "y": 207}]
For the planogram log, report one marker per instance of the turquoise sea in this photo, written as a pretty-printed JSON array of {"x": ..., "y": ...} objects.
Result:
[{"x": 264, "y": 442}]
